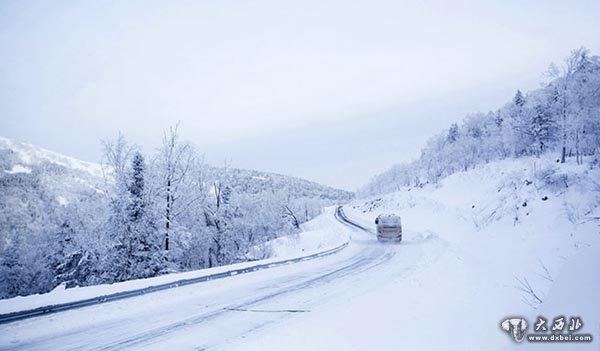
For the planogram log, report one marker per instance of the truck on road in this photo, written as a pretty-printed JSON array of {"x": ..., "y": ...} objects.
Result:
[{"x": 389, "y": 227}]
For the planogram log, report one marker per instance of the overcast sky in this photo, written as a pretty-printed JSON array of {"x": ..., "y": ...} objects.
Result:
[{"x": 332, "y": 91}]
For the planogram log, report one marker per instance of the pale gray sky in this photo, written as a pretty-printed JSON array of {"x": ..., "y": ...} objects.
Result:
[{"x": 332, "y": 91}]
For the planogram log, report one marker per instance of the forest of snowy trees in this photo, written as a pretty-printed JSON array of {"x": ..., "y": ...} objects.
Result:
[
  {"x": 139, "y": 216},
  {"x": 561, "y": 118}
]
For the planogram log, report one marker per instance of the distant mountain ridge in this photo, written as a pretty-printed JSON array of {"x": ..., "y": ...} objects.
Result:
[
  {"x": 60, "y": 176},
  {"x": 24, "y": 158},
  {"x": 30, "y": 154},
  {"x": 268, "y": 180}
]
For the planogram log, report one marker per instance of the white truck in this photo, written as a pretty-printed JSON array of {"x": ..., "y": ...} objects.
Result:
[{"x": 389, "y": 227}]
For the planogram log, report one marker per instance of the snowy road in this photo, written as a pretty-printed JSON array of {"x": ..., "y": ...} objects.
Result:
[{"x": 218, "y": 314}]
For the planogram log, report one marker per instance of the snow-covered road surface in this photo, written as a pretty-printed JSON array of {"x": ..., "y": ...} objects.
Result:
[{"x": 216, "y": 314}]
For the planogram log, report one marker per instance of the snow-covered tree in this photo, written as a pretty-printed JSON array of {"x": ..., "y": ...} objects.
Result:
[
  {"x": 542, "y": 130},
  {"x": 173, "y": 166},
  {"x": 145, "y": 258}
]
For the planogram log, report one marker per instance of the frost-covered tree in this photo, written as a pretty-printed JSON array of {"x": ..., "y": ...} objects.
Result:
[
  {"x": 135, "y": 248},
  {"x": 453, "y": 133},
  {"x": 519, "y": 121},
  {"x": 117, "y": 155},
  {"x": 519, "y": 100},
  {"x": 542, "y": 130},
  {"x": 25, "y": 223},
  {"x": 12, "y": 269},
  {"x": 173, "y": 164},
  {"x": 577, "y": 88},
  {"x": 145, "y": 258},
  {"x": 61, "y": 248}
]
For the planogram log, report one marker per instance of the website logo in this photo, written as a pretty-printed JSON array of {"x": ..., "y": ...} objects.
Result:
[
  {"x": 558, "y": 330},
  {"x": 515, "y": 327}
]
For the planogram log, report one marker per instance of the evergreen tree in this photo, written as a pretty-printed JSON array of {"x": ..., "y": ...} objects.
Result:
[
  {"x": 137, "y": 206},
  {"x": 60, "y": 251},
  {"x": 498, "y": 119},
  {"x": 144, "y": 256},
  {"x": 12, "y": 270},
  {"x": 135, "y": 251},
  {"x": 453, "y": 133},
  {"x": 543, "y": 129},
  {"x": 519, "y": 100},
  {"x": 520, "y": 125}
]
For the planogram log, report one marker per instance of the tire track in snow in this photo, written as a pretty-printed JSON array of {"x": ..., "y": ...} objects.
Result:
[{"x": 355, "y": 267}]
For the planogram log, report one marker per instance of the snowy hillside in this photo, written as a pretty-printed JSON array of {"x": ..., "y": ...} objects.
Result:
[
  {"x": 31, "y": 155},
  {"x": 504, "y": 225},
  {"x": 62, "y": 176},
  {"x": 257, "y": 182}
]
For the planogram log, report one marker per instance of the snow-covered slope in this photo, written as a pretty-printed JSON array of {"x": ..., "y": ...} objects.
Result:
[
  {"x": 258, "y": 182},
  {"x": 506, "y": 224},
  {"x": 37, "y": 186},
  {"x": 62, "y": 176},
  {"x": 31, "y": 155}
]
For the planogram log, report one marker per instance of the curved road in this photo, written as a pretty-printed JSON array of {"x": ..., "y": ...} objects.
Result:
[{"x": 212, "y": 314}]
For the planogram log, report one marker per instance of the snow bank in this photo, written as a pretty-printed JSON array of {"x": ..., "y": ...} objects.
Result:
[{"x": 316, "y": 236}]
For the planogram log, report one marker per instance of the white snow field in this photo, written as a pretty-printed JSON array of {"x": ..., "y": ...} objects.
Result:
[{"x": 447, "y": 286}]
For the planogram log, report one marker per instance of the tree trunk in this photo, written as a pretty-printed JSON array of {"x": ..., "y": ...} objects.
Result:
[
  {"x": 168, "y": 214},
  {"x": 291, "y": 214},
  {"x": 210, "y": 257},
  {"x": 564, "y": 125}
]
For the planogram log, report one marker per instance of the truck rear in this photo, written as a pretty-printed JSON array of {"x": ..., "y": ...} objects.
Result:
[{"x": 389, "y": 227}]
